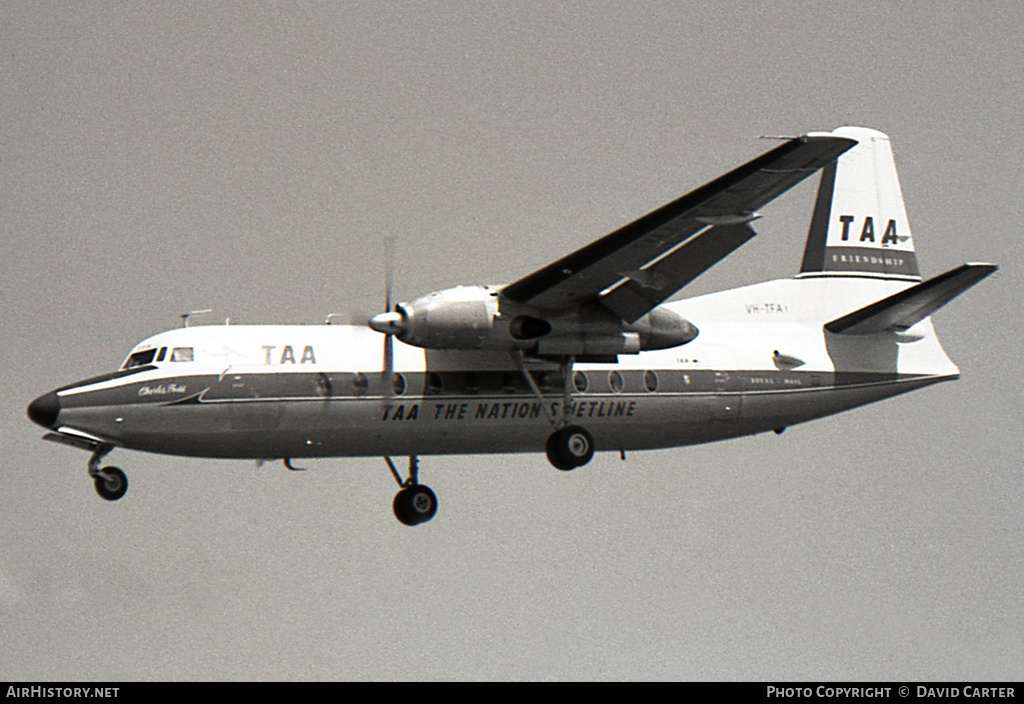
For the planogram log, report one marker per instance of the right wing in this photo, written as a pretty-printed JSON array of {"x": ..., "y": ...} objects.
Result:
[{"x": 633, "y": 269}]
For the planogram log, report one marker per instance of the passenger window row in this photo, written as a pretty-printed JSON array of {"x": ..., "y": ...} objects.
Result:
[{"x": 437, "y": 383}]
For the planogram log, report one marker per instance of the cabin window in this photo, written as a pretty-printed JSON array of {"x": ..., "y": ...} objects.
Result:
[
  {"x": 650, "y": 380},
  {"x": 545, "y": 381},
  {"x": 579, "y": 380},
  {"x": 161, "y": 354},
  {"x": 139, "y": 359},
  {"x": 323, "y": 385},
  {"x": 472, "y": 383},
  {"x": 615, "y": 382},
  {"x": 181, "y": 354},
  {"x": 360, "y": 384},
  {"x": 510, "y": 382},
  {"x": 398, "y": 384},
  {"x": 435, "y": 384}
]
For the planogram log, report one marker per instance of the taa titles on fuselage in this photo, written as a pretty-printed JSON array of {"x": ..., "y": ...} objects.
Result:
[{"x": 586, "y": 354}]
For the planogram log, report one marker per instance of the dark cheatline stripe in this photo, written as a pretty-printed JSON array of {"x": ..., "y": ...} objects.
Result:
[{"x": 205, "y": 390}]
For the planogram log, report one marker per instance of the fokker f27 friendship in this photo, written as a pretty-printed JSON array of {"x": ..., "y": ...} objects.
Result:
[{"x": 581, "y": 355}]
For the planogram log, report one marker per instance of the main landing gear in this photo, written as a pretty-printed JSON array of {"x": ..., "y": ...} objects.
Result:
[
  {"x": 415, "y": 503},
  {"x": 570, "y": 446}
]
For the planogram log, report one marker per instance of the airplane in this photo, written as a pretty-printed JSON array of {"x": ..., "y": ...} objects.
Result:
[{"x": 582, "y": 355}]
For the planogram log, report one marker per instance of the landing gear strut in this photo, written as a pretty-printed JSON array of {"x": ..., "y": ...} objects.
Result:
[
  {"x": 111, "y": 483},
  {"x": 415, "y": 503},
  {"x": 570, "y": 446}
]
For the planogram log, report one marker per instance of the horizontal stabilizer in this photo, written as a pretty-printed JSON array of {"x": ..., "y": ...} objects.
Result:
[{"x": 910, "y": 306}]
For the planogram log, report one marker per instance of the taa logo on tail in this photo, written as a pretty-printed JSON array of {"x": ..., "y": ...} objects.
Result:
[{"x": 867, "y": 230}]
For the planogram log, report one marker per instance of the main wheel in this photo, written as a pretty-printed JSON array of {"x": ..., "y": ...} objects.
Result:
[
  {"x": 555, "y": 454},
  {"x": 415, "y": 504},
  {"x": 112, "y": 484},
  {"x": 570, "y": 447}
]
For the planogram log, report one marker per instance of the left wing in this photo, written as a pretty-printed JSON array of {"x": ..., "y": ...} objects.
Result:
[{"x": 633, "y": 269}]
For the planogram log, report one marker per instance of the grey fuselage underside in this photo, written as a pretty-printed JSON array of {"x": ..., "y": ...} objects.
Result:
[{"x": 305, "y": 415}]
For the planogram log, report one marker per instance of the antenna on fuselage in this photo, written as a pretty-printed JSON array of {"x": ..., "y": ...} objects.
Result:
[{"x": 186, "y": 316}]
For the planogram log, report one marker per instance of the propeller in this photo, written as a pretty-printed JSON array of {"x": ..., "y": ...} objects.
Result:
[{"x": 390, "y": 322}]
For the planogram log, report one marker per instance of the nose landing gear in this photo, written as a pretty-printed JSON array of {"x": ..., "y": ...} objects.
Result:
[
  {"x": 415, "y": 503},
  {"x": 111, "y": 483}
]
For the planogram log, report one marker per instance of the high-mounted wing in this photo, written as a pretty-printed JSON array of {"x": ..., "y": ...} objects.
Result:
[{"x": 640, "y": 265}]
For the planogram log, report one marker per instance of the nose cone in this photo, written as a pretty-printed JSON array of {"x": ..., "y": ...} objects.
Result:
[{"x": 44, "y": 410}]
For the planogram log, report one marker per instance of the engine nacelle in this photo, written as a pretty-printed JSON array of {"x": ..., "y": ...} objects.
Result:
[
  {"x": 477, "y": 318},
  {"x": 461, "y": 318},
  {"x": 595, "y": 331}
]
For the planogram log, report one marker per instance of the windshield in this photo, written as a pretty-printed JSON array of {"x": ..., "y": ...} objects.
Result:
[{"x": 139, "y": 358}]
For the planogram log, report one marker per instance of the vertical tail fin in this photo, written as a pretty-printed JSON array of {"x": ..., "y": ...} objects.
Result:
[{"x": 859, "y": 226}]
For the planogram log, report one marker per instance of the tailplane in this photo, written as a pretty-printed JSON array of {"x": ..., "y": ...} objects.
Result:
[
  {"x": 912, "y": 305},
  {"x": 860, "y": 226}
]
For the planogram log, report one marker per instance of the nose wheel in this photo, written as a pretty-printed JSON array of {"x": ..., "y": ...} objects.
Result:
[
  {"x": 415, "y": 503},
  {"x": 112, "y": 483}
]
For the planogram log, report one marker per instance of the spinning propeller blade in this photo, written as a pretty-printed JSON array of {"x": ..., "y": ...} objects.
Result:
[{"x": 389, "y": 344}]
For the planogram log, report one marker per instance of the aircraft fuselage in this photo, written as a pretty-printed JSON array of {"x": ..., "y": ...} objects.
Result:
[{"x": 761, "y": 362}]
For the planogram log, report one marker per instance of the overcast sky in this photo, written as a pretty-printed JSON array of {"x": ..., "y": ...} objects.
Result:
[{"x": 157, "y": 158}]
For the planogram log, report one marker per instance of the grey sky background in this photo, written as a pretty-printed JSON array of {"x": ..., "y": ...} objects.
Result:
[{"x": 157, "y": 158}]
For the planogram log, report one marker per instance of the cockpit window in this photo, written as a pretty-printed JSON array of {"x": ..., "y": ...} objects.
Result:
[
  {"x": 181, "y": 354},
  {"x": 139, "y": 358}
]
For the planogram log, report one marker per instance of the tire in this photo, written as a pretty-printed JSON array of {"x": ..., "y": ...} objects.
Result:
[
  {"x": 570, "y": 447},
  {"x": 112, "y": 485},
  {"x": 555, "y": 455},
  {"x": 415, "y": 504}
]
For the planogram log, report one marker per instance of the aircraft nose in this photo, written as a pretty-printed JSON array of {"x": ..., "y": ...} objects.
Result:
[{"x": 44, "y": 410}]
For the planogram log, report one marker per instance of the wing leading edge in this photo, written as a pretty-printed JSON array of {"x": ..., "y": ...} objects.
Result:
[{"x": 633, "y": 269}]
